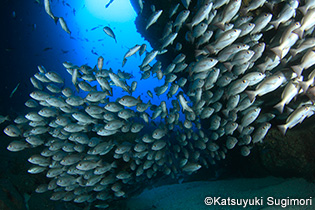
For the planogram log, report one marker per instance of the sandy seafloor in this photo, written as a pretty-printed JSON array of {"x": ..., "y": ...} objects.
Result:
[{"x": 191, "y": 195}]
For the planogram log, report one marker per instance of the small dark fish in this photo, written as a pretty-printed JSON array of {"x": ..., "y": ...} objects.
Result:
[
  {"x": 107, "y": 5},
  {"x": 64, "y": 51},
  {"x": 13, "y": 14},
  {"x": 47, "y": 48},
  {"x": 95, "y": 53},
  {"x": 68, "y": 5},
  {"x": 14, "y": 90},
  {"x": 92, "y": 29},
  {"x": 74, "y": 11}
]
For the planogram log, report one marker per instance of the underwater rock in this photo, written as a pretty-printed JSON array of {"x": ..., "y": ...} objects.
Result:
[
  {"x": 10, "y": 198},
  {"x": 290, "y": 155},
  {"x": 192, "y": 195}
]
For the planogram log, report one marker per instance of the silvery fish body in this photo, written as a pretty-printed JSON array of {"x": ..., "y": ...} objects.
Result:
[
  {"x": 181, "y": 18},
  {"x": 296, "y": 117},
  {"x": 153, "y": 18},
  {"x": 269, "y": 84},
  {"x": 227, "y": 38},
  {"x": 16, "y": 146},
  {"x": 202, "y": 13},
  {"x": 54, "y": 77},
  {"x": 250, "y": 117},
  {"x": 64, "y": 25},
  {"x": 261, "y": 132},
  {"x": 229, "y": 12}
]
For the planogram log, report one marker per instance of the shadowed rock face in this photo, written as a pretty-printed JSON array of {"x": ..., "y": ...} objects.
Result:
[{"x": 290, "y": 155}]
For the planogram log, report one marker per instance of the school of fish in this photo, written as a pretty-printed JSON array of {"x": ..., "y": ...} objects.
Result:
[{"x": 96, "y": 149}]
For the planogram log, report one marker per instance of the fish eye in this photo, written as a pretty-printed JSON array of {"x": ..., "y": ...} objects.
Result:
[
  {"x": 238, "y": 47},
  {"x": 248, "y": 52},
  {"x": 235, "y": 30},
  {"x": 260, "y": 74},
  {"x": 211, "y": 60},
  {"x": 244, "y": 81},
  {"x": 266, "y": 15}
]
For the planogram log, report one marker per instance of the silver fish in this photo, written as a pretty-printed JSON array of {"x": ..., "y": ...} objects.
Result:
[
  {"x": 64, "y": 25},
  {"x": 153, "y": 18},
  {"x": 48, "y": 10},
  {"x": 109, "y": 32}
]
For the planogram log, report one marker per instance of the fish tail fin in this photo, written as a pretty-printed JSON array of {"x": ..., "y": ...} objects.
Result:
[
  {"x": 190, "y": 26},
  {"x": 283, "y": 129},
  {"x": 261, "y": 68},
  {"x": 243, "y": 11},
  {"x": 199, "y": 52},
  {"x": 110, "y": 91},
  {"x": 303, "y": 10},
  {"x": 228, "y": 65},
  {"x": 140, "y": 100},
  {"x": 275, "y": 24},
  {"x": 210, "y": 49},
  {"x": 277, "y": 51},
  {"x": 56, "y": 19},
  {"x": 99, "y": 163},
  {"x": 251, "y": 95},
  {"x": 297, "y": 69},
  {"x": 225, "y": 112},
  {"x": 240, "y": 128},
  {"x": 7, "y": 118},
  {"x": 190, "y": 72},
  {"x": 113, "y": 164},
  {"x": 293, "y": 52},
  {"x": 279, "y": 106},
  {"x": 304, "y": 86},
  {"x": 103, "y": 88},
  {"x": 299, "y": 32},
  {"x": 220, "y": 25}
]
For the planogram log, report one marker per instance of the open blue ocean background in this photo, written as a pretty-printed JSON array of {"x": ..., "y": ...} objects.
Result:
[{"x": 31, "y": 38}]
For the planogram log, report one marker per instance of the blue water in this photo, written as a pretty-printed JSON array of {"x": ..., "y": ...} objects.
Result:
[{"x": 32, "y": 38}]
